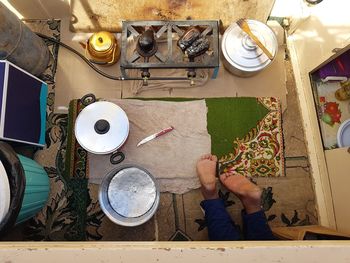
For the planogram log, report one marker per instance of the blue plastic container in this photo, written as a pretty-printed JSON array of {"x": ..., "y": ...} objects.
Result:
[
  {"x": 36, "y": 191},
  {"x": 28, "y": 184}
]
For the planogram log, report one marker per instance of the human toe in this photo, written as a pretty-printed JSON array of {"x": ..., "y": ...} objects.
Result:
[
  {"x": 214, "y": 158},
  {"x": 206, "y": 157}
]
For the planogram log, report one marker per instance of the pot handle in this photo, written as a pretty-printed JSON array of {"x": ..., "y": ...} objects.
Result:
[
  {"x": 98, "y": 62},
  {"x": 113, "y": 56},
  {"x": 109, "y": 62},
  {"x": 117, "y": 157},
  {"x": 88, "y": 99}
]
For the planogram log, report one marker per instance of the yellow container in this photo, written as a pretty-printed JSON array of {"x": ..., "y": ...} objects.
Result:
[{"x": 102, "y": 48}]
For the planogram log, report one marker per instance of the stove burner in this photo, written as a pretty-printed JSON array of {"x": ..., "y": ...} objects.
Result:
[
  {"x": 197, "y": 48},
  {"x": 146, "y": 44},
  {"x": 191, "y": 35},
  {"x": 156, "y": 47}
]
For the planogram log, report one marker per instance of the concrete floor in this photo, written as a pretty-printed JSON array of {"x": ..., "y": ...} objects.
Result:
[
  {"x": 291, "y": 194},
  {"x": 289, "y": 199},
  {"x": 293, "y": 130},
  {"x": 182, "y": 212}
]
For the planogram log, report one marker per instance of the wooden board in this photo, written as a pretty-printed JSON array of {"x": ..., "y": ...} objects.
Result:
[
  {"x": 338, "y": 169},
  {"x": 299, "y": 232},
  {"x": 306, "y": 54},
  {"x": 92, "y": 15}
]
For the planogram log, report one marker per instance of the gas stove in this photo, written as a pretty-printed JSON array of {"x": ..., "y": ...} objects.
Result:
[{"x": 185, "y": 45}]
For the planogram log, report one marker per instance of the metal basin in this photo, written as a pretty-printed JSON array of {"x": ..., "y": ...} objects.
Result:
[
  {"x": 129, "y": 195},
  {"x": 240, "y": 55}
]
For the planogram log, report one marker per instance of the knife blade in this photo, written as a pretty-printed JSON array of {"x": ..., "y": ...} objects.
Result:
[{"x": 155, "y": 135}]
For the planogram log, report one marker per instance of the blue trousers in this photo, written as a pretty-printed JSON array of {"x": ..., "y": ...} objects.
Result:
[{"x": 221, "y": 227}]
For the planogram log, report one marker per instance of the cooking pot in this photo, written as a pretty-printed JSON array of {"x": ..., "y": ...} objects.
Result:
[
  {"x": 102, "y": 48},
  {"x": 240, "y": 55},
  {"x": 102, "y": 127},
  {"x": 129, "y": 195}
]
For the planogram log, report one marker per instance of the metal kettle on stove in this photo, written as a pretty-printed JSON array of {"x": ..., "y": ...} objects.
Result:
[{"x": 102, "y": 48}]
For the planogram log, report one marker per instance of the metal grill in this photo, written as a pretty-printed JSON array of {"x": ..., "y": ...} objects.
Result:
[{"x": 168, "y": 54}]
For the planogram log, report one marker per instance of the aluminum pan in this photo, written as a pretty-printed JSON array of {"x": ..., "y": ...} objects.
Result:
[
  {"x": 129, "y": 216},
  {"x": 241, "y": 55}
]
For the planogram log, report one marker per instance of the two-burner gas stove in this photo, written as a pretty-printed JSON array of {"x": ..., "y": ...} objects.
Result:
[{"x": 187, "y": 45}]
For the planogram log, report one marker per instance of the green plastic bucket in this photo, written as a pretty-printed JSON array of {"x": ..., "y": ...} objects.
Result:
[
  {"x": 36, "y": 191},
  {"x": 29, "y": 187}
]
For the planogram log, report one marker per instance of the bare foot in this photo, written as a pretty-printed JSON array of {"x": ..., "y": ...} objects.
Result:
[
  {"x": 206, "y": 170},
  {"x": 246, "y": 191}
]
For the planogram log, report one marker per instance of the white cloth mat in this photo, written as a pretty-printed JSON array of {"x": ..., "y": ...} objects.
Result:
[{"x": 171, "y": 158}]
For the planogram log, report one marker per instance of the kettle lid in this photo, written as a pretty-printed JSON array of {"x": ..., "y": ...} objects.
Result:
[{"x": 101, "y": 41}]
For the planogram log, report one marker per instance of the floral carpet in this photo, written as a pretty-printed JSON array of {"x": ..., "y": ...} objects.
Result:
[
  {"x": 70, "y": 213},
  {"x": 247, "y": 135},
  {"x": 256, "y": 149}
]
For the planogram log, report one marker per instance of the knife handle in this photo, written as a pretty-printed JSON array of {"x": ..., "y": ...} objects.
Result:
[{"x": 164, "y": 131}]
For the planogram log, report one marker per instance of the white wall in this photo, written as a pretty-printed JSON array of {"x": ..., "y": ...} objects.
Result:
[
  {"x": 327, "y": 27},
  {"x": 176, "y": 252},
  {"x": 41, "y": 9},
  {"x": 9, "y": 6}
]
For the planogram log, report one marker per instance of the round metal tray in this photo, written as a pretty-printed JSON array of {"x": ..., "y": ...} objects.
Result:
[
  {"x": 129, "y": 195},
  {"x": 343, "y": 134}
]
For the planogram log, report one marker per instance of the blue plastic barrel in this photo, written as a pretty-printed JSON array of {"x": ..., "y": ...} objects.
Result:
[
  {"x": 36, "y": 190},
  {"x": 29, "y": 187}
]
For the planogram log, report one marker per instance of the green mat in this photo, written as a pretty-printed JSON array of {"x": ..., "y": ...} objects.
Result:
[
  {"x": 246, "y": 135},
  {"x": 230, "y": 118}
]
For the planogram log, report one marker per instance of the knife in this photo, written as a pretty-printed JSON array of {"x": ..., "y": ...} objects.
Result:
[{"x": 153, "y": 136}]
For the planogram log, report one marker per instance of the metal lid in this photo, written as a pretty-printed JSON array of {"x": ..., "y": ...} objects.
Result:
[
  {"x": 129, "y": 195},
  {"x": 131, "y": 192},
  {"x": 5, "y": 194},
  {"x": 102, "y": 127},
  {"x": 242, "y": 53},
  {"x": 101, "y": 42},
  {"x": 343, "y": 135}
]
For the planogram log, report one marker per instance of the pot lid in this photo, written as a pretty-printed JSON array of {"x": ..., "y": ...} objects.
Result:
[
  {"x": 241, "y": 51},
  {"x": 101, "y": 41},
  {"x": 343, "y": 135},
  {"x": 131, "y": 192},
  {"x": 5, "y": 194},
  {"x": 102, "y": 127}
]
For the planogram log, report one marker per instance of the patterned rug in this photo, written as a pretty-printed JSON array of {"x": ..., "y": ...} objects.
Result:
[
  {"x": 70, "y": 213},
  {"x": 247, "y": 136},
  {"x": 255, "y": 147}
]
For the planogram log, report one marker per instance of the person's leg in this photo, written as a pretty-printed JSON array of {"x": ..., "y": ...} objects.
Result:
[
  {"x": 219, "y": 223},
  {"x": 255, "y": 226}
]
